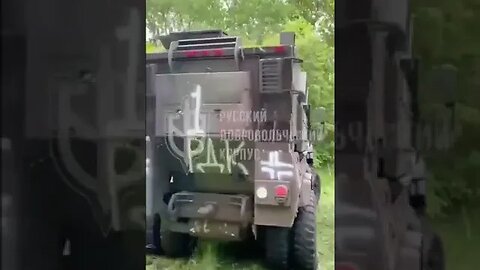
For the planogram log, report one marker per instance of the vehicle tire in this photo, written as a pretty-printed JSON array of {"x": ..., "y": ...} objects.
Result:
[
  {"x": 317, "y": 186},
  {"x": 277, "y": 242},
  {"x": 177, "y": 245},
  {"x": 433, "y": 252},
  {"x": 304, "y": 251},
  {"x": 155, "y": 247}
]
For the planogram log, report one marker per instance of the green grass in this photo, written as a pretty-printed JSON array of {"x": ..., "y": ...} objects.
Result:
[
  {"x": 215, "y": 256},
  {"x": 325, "y": 221}
]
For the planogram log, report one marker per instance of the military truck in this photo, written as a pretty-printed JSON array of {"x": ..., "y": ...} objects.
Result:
[{"x": 229, "y": 150}]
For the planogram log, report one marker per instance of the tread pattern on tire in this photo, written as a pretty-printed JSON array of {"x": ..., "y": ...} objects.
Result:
[
  {"x": 304, "y": 237},
  {"x": 317, "y": 187}
]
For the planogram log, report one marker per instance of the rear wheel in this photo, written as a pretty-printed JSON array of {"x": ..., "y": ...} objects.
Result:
[
  {"x": 305, "y": 235},
  {"x": 155, "y": 246},
  {"x": 317, "y": 188},
  {"x": 277, "y": 242},
  {"x": 433, "y": 256},
  {"x": 177, "y": 244}
]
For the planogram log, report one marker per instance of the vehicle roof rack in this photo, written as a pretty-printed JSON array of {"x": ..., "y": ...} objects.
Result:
[{"x": 166, "y": 40}]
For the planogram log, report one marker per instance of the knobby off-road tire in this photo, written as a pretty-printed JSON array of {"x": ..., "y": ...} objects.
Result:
[
  {"x": 304, "y": 237},
  {"x": 317, "y": 186},
  {"x": 277, "y": 247},
  {"x": 177, "y": 245}
]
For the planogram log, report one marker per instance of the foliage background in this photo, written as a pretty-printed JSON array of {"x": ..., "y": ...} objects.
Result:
[{"x": 447, "y": 32}]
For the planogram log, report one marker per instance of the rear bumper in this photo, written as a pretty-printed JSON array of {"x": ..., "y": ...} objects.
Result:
[{"x": 209, "y": 215}]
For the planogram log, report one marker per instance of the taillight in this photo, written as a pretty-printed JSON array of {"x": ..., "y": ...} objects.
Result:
[
  {"x": 190, "y": 53},
  {"x": 280, "y": 49},
  {"x": 281, "y": 191},
  {"x": 217, "y": 52},
  {"x": 197, "y": 53}
]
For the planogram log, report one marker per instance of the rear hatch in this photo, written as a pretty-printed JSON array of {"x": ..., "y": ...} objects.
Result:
[
  {"x": 209, "y": 111},
  {"x": 191, "y": 118}
]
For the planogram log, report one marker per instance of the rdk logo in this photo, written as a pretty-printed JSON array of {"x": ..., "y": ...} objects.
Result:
[
  {"x": 193, "y": 129},
  {"x": 194, "y": 139}
]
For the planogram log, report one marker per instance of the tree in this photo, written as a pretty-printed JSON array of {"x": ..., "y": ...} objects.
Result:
[{"x": 446, "y": 32}]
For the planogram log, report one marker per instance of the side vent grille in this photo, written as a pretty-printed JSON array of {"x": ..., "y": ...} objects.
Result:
[{"x": 270, "y": 75}]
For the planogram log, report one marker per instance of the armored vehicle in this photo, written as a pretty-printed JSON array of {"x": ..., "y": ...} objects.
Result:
[
  {"x": 229, "y": 150},
  {"x": 380, "y": 181}
]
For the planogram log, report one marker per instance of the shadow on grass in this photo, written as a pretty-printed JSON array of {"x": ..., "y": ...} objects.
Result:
[{"x": 243, "y": 255}]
